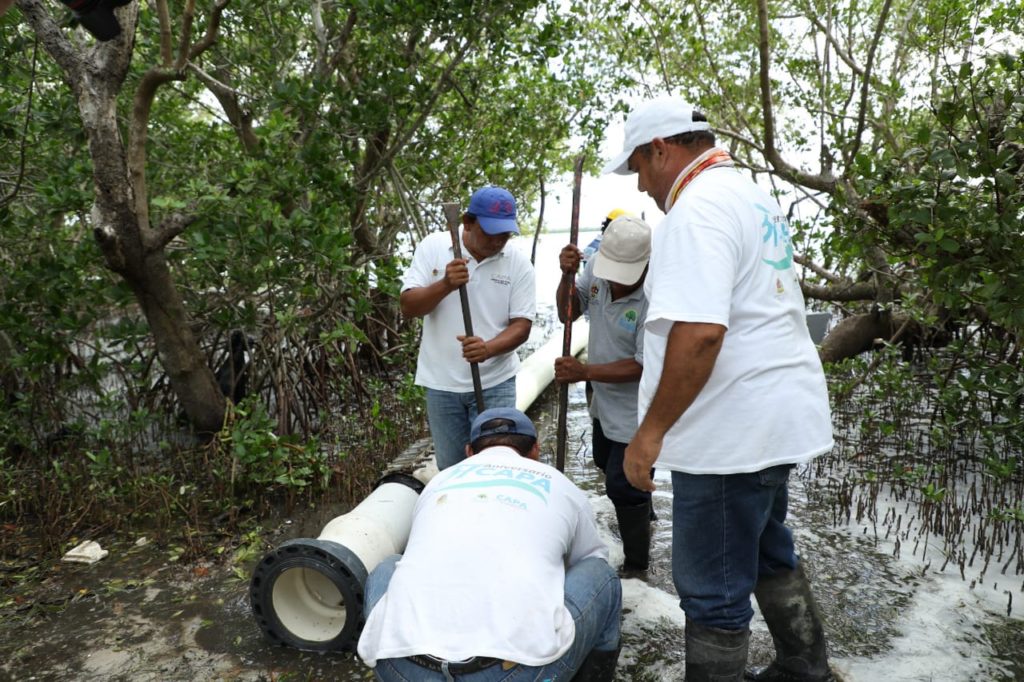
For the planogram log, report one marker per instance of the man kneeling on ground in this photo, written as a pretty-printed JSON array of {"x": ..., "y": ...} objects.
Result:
[{"x": 504, "y": 576}]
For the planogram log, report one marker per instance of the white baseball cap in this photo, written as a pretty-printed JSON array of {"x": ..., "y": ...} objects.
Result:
[
  {"x": 624, "y": 251},
  {"x": 660, "y": 117}
]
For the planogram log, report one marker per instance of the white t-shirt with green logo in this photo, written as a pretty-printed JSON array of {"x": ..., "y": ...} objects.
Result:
[
  {"x": 723, "y": 255},
  {"x": 484, "y": 570}
]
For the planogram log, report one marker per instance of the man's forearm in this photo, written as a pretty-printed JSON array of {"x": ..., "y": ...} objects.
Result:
[
  {"x": 517, "y": 331},
  {"x": 420, "y": 301},
  {"x": 618, "y": 372},
  {"x": 690, "y": 356}
]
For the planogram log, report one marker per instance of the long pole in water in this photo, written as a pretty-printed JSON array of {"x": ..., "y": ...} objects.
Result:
[
  {"x": 570, "y": 278},
  {"x": 451, "y": 216}
]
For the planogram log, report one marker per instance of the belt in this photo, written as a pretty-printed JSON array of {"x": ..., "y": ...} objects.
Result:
[{"x": 472, "y": 665}]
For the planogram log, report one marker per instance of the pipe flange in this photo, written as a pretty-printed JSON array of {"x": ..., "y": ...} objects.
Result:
[
  {"x": 408, "y": 480},
  {"x": 308, "y": 594}
]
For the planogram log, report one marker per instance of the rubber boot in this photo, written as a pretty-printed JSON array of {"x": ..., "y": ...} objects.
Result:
[
  {"x": 794, "y": 622},
  {"x": 714, "y": 655},
  {"x": 598, "y": 666},
  {"x": 635, "y": 530}
]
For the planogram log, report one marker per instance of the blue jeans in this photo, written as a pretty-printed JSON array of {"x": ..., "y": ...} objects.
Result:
[
  {"x": 451, "y": 414},
  {"x": 727, "y": 531},
  {"x": 593, "y": 596}
]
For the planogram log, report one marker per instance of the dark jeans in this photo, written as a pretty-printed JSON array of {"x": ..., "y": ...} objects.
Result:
[
  {"x": 727, "y": 530},
  {"x": 609, "y": 456}
]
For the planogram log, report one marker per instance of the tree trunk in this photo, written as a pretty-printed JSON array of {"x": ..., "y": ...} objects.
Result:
[
  {"x": 131, "y": 248},
  {"x": 137, "y": 254},
  {"x": 860, "y": 333}
]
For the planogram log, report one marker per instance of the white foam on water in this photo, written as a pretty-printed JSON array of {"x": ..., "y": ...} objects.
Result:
[
  {"x": 647, "y": 606},
  {"x": 942, "y": 630}
]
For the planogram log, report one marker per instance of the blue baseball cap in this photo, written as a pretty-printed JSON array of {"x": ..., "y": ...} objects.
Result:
[
  {"x": 501, "y": 421},
  {"x": 495, "y": 210}
]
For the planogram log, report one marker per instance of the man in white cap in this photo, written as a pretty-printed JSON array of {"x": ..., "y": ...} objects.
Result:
[
  {"x": 732, "y": 396},
  {"x": 502, "y": 302},
  {"x": 611, "y": 291}
]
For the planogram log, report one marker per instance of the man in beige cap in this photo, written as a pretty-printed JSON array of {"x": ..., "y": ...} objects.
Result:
[
  {"x": 732, "y": 396},
  {"x": 610, "y": 290}
]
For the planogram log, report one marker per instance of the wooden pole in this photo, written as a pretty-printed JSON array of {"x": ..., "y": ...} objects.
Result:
[
  {"x": 570, "y": 278},
  {"x": 453, "y": 218}
]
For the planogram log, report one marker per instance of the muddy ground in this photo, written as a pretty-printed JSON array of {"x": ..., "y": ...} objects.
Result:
[{"x": 141, "y": 614}]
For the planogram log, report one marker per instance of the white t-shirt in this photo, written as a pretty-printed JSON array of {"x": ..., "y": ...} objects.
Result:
[
  {"x": 483, "y": 573},
  {"x": 500, "y": 288},
  {"x": 723, "y": 255}
]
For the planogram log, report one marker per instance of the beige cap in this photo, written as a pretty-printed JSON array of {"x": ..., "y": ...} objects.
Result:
[{"x": 624, "y": 251}]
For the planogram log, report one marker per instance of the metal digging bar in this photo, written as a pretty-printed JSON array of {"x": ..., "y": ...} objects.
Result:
[
  {"x": 563, "y": 389},
  {"x": 451, "y": 216}
]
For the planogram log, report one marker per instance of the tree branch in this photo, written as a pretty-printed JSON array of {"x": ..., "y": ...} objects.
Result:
[
  {"x": 142, "y": 104},
  {"x": 229, "y": 98},
  {"x": 848, "y": 291},
  {"x": 817, "y": 269},
  {"x": 170, "y": 228},
  {"x": 54, "y": 41},
  {"x": 866, "y": 81},
  {"x": 340, "y": 51},
  {"x": 212, "y": 30},
  {"x": 164, "y": 18},
  {"x": 187, "y": 16},
  {"x": 723, "y": 84},
  {"x": 739, "y": 137},
  {"x": 822, "y": 183},
  {"x": 23, "y": 147},
  {"x": 403, "y": 137},
  {"x": 843, "y": 54}
]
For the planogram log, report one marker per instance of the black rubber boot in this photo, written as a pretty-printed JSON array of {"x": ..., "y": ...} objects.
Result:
[
  {"x": 598, "y": 666},
  {"x": 714, "y": 655},
  {"x": 635, "y": 530},
  {"x": 794, "y": 622}
]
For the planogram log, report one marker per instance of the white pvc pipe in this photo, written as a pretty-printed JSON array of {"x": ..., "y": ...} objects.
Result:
[
  {"x": 378, "y": 527},
  {"x": 538, "y": 370},
  {"x": 305, "y": 593}
]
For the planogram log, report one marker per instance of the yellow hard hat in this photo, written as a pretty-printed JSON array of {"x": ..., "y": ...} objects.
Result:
[{"x": 612, "y": 215}]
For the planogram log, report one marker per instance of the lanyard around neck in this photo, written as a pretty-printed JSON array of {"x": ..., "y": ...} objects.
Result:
[{"x": 712, "y": 158}]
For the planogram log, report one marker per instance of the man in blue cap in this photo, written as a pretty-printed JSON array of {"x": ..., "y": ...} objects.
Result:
[
  {"x": 504, "y": 575},
  {"x": 499, "y": 283}
]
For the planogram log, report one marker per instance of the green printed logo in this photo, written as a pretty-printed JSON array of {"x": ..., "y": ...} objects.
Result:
[{"x": 776, "y": 229}]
